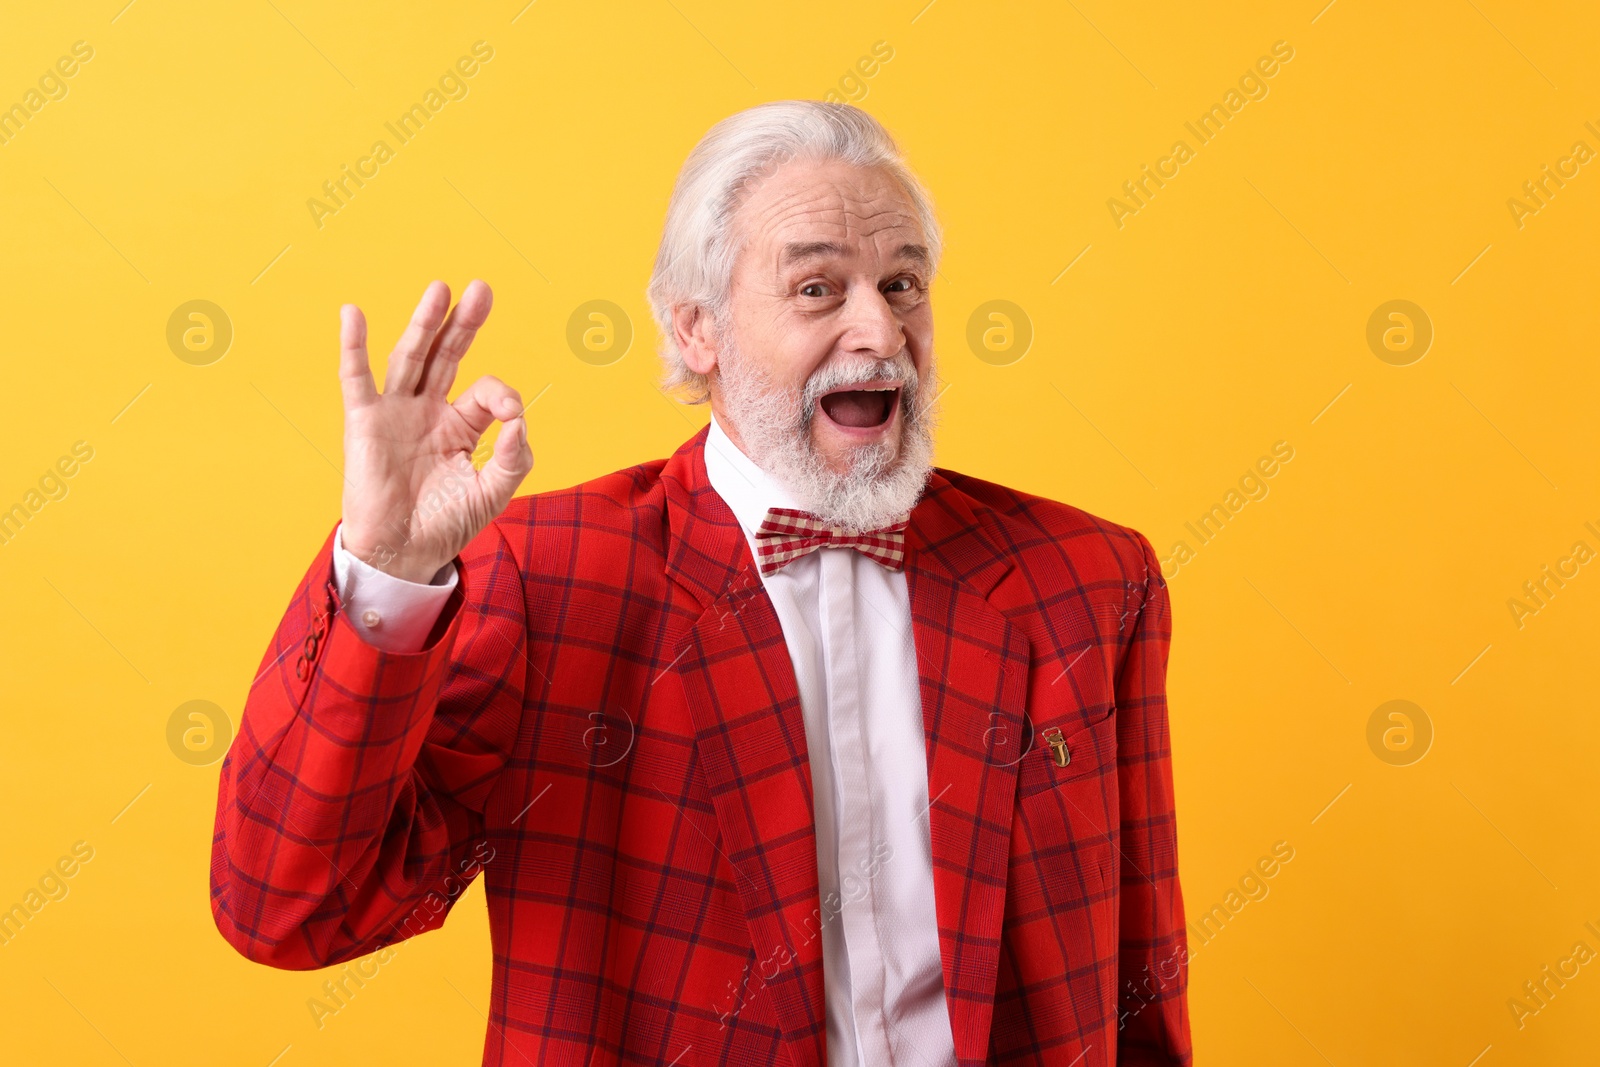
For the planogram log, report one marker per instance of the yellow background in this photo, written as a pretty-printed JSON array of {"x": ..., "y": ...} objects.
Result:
[{"x": 1223, "y": 317}]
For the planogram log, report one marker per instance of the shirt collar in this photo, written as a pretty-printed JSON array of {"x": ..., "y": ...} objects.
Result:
[{"x": 747, "y": 489}]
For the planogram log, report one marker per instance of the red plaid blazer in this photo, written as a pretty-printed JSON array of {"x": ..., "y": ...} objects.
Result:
[{"x": 605, "y": 725}]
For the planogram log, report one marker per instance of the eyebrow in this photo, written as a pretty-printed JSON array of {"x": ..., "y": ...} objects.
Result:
[{"x": 802, "y": 250}]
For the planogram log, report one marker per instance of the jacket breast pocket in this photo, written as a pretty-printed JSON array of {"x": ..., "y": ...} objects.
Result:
[
  {"x": 1065, "y": 830},
  {"x": 1067, "y": 815},
  {"x": 1064, "y": 842},
  {"x": 1056, "y": 757}
]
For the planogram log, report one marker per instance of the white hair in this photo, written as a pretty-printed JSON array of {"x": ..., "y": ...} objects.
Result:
[{"x": 694, "y": 265}]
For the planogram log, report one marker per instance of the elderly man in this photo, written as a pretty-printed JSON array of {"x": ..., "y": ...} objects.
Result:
[{"x": 790, "y": 748}]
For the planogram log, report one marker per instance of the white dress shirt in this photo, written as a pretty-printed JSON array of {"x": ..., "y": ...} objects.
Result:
[{"x": 847, "y": 623}]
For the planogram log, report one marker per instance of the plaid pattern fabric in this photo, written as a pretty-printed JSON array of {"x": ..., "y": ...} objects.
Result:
[
  {"x": 787, "y": 534},
  {"x": 605, "y": 727}
]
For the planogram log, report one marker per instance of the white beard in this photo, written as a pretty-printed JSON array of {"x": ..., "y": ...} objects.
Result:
[{"x": 881, "y": 484}]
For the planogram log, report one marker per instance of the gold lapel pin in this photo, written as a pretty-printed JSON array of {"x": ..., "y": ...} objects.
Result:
[{"x": 1058, "y": 746}]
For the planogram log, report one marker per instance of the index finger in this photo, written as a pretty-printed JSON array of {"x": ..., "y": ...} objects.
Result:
[
  {"x": 406, "y": 361},
  {"x": 454, "y": 338}
]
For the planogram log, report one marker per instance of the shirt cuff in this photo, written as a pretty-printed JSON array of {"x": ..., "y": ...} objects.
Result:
[{"x": 387, "y": 612}]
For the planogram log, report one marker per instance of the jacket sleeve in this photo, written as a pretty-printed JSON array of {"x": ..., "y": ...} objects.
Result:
[
  {"x": 1153, "y": 980},
  {"x": 350, "y": 812}
]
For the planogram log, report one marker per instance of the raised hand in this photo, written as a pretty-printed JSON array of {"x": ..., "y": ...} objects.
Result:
[{"x": 412, "y": 499}]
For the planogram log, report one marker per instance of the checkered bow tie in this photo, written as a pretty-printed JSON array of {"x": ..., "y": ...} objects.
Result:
[{"x": 786, "y": 535}]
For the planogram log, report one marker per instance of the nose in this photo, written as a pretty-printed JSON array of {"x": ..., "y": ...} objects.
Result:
[{"x": 871, "y": 326}]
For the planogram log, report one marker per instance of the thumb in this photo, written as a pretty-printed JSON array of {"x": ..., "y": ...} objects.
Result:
[{"x": 511, "y": 462}]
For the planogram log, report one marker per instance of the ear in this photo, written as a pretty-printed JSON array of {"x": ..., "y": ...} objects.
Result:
[{"x": 696, "y": 335}]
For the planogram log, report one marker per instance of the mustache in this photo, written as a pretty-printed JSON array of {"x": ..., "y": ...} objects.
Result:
[{"x": 841, "y": 374}]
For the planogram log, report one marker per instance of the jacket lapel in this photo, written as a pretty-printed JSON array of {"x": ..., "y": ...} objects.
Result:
[
  {"x": 750, "y": 740},
  {"x": 972, "y": 667}
]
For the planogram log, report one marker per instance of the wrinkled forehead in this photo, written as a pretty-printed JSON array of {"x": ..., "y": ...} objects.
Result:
[{"x": 808, "y": 210}]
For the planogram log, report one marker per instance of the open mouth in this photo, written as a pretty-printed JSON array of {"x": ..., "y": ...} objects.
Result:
[{"x": 864, "y": 407}]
